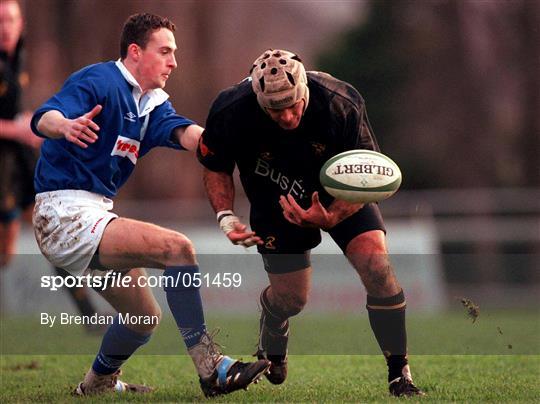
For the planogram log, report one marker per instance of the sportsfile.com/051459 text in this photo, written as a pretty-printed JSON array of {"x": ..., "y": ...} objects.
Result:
[{"x": 115, "y": 279}]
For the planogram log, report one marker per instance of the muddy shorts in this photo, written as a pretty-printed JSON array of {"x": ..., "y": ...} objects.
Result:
[{"x": 69, "y": 225}]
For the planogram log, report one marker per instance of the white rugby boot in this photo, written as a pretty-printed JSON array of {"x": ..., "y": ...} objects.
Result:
[{"x": 95, "y": 383}]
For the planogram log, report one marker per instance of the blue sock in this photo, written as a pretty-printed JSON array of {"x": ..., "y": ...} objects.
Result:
[
  {"x": 185, "y": 303},
  {"x": 118, "y": 344}
]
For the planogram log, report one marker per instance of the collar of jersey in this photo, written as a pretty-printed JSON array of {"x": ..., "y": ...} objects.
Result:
[{"x": 145, "y": 102}]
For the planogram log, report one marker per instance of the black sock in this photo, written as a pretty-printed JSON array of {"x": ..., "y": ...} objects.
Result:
[
  {"x": 395, "y": 366},
  {"x": 387, "y": 319},
  {"x": 277, "y": 321},
  {"x": 78, "y": 295}
]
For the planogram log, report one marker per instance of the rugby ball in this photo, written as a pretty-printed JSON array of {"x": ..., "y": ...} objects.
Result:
[{"x": 360, "y": 176}]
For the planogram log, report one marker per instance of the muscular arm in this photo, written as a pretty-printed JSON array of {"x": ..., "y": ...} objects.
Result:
[{"x": 220, "y": 189}]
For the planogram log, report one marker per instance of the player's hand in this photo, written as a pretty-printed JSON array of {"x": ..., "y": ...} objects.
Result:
[
  {"x": 237, "y": 232},
  {"x": 82, "y": 130},
  {"x": 240, "y": 236},
  {"x": 315, "y": 216}
]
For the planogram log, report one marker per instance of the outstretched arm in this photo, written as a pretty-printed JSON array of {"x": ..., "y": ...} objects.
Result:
[
  {"x": 188, "y": 136},
  {"x": 78, "y": 131}
]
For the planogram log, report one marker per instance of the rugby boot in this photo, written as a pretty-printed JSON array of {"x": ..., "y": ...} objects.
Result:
[
  {"x": 219, "y": 374},
  {"x": 273, "y": 346},
  {"x": 94, "y": 383},
  {"x": 403, "y": 386}
]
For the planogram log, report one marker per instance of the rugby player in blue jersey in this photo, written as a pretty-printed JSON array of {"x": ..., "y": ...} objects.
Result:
[
  {"x": 106, "y": 117},
  {"x": 279, "y": 127}
]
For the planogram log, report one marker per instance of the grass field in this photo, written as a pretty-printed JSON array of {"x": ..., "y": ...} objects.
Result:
[{"x": 496, "y": 359}]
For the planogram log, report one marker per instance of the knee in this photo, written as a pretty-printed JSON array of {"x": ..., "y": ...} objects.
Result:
[
  {"x": 379, "y": 278},
  {"x": 378, "y": 275},
  {"x": 290, "y": 304},
  {"x": 368, "y": 254},
  {"x": 375, "y": 265},
  {"x": 177, "y": 249}
]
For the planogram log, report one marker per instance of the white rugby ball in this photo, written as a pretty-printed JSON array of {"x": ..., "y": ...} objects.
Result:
[{"x": 360, "y": 176}]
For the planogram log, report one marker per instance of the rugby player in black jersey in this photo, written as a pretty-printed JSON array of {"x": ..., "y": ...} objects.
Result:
[{"x": 278, "y": 127}]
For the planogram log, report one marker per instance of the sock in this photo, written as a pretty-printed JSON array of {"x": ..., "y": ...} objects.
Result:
[
  {"x": 118, "y": 344},
  {"x": 387, "y": 319},
  {"x": 185, "y": 303},
  {"x": 274, "y": 318},
  {"x": 78, "y": 295}
]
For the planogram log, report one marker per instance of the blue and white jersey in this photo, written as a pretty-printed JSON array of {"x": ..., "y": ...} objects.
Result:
[{"x": 131, "y": 124}]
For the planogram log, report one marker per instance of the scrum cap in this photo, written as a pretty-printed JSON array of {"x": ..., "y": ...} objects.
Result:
[{"x": 279, "y": 79}]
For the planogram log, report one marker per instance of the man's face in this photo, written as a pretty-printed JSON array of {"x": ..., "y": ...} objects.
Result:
[
  {"x": 288, "y": 118},
  {"x": 11, "y": 25},
  {"x": 157, "y": 60}
]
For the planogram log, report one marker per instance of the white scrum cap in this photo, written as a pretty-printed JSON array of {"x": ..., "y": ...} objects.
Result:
[{"x": 279, "y": 79}]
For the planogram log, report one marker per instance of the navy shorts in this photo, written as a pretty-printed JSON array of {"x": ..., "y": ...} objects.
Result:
[{"x": 286, "y": 246}]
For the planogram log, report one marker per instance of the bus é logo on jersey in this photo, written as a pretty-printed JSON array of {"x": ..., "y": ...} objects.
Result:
[{"x": 126, "y": 147}]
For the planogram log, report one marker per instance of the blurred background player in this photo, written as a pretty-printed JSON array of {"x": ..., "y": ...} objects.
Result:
[
  {"x": 279, "y": 127},
  {"x": 19, "y": 147},
  {"x": 104, "y": 118}
]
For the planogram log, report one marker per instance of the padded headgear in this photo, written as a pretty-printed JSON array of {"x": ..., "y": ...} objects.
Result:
[{"x": 279, "y": 79}]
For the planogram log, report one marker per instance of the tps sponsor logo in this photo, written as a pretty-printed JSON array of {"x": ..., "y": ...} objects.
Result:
[{"x": 126, "y": 147}]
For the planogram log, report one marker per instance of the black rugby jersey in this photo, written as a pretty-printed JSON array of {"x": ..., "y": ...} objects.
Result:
[{"x": 273, "y": 161}]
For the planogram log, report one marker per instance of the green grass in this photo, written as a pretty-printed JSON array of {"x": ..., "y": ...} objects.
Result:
[
  {"x": 325, "y": 378},
  {"x": 494, "y": 333},
  {"x": 335, "y": 360}
]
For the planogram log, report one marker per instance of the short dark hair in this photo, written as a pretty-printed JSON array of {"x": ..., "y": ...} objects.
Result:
[{"x": 138, "y": 28}]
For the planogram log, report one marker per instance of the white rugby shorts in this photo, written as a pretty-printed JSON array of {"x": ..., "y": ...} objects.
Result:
[{"x": 69, "y": 225}]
